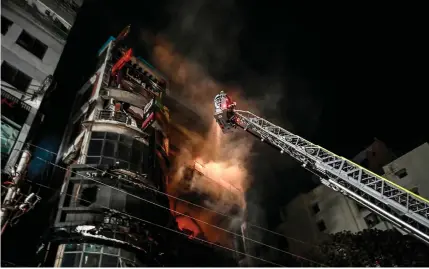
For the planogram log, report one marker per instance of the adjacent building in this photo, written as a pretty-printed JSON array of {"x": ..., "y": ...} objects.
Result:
[
  {"x": 310, "y": 217},
  {"x": 33, "y": 36}
]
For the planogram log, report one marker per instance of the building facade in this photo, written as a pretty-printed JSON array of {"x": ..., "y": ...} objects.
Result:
[
  {"x": 34, "y": 33},
  {"x": 411, "y": 170},
  {"x": 116, "y": 147},
  {"x": 310, "y": 217}
]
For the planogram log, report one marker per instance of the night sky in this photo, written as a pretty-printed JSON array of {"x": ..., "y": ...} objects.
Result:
[{"x": 340, "y": 75}]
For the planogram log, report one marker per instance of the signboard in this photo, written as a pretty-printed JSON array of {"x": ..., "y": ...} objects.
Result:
[{"x": 13, "y": 108}]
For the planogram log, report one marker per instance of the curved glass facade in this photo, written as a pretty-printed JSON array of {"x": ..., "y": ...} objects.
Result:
[
  {"x": 109, "y": 148},
  {"x": 93, "y": 255}
]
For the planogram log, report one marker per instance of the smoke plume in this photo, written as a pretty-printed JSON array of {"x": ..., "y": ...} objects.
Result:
[{"x": 199, "y": 47}]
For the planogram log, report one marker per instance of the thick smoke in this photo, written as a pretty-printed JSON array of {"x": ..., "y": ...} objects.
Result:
[{"x": 200, "y": 45}]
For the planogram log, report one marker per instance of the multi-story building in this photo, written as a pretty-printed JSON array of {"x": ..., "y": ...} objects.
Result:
[
  {"x": 34, "y": 34},
  {"x": 310, "y": 217},
  {"x": 411, "y": 170},
  {"x": 113, "y": 210},
  {"x": 116, "y": 146}
]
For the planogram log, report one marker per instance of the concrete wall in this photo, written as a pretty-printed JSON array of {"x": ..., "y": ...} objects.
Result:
[
  {"x": 337, "y": 212},
  {"x": 416, "y": 165},
  {"x": 26, "y": 62}
]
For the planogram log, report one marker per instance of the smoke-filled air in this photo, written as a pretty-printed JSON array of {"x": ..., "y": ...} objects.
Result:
[{"x": 220, "y": 178}]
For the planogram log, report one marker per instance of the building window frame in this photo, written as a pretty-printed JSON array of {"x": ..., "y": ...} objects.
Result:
[
  {"x": 15, "y": 77},
  {"x": 5, "y": 25},
  {"x": 119, "y": 253},
  {"x": 117, "y": 141},
  {"x": 32, "y": 44},
  {"x": 401, "y": 173}
]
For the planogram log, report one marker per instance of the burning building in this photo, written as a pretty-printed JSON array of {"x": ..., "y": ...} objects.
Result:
[{"x": 113, "y": 210}]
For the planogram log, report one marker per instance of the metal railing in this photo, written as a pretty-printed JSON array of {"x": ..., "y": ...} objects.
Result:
[{"x": 118, "y": 116}]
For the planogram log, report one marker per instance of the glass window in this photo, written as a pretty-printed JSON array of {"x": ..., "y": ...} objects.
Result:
[
  {"x": 127, "y": 255},
  {"x": 401, "y": 173},
  {"x": 32, "y": 44},
  {"x": 110, "y": 250},
  {"x": 90, "y": 260},
  {"x": 5, "y": 25},
  {"x": 73, "y": 247},
  {"x": 92, "y": 160},
  {"x": 109, "y": 149},
  {"x": 108, "y": 161},
  {"x": 92, "y": 248},
  {"x": 94, "y": 148},
  {"x": 15, "y": 77},
  {"x": 124, "y": 165},
  {"x": 136, "y": 156},
  {"x": 112, "y": 136},
  {"x": 71, "y": 260},
  {"x": 128, "y": 140},
  {"x": 97, "y": 135},
  {"x": 123, "y": 152},
  {"x": 109, "y": 261}
]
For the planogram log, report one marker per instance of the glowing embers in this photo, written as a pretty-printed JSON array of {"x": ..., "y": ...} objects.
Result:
[{"x": 189, "y": 226}]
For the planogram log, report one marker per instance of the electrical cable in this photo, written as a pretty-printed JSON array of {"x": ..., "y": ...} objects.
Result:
[
  {"x": 177, "y": 212},
  {"x": 166, "y": 228},
  {"x": 193, "y": 204}
]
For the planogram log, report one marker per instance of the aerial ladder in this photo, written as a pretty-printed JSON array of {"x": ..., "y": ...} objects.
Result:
[{"x": 399, "y": 206}]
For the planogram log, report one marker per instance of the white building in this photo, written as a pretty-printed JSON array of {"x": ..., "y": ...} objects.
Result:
[
  {"x": 311, "y": 216},
  {"x": 411, "y": 170},
  {"x": 33, "y": 36}
]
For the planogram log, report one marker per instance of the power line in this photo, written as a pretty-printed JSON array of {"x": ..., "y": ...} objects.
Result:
[
  {"x": 196, "y": 205},
  {"x": 153, "y": 203},
  {"x": 177, "y": 212},
  {"x": 166, "y": 228}
]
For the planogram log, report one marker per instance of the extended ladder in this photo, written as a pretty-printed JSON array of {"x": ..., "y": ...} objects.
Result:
[{"x": 398, "y": 205}]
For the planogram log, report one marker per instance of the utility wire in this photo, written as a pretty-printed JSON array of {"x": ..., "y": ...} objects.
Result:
[
  {"x": 162, "y": 226},
  {"x": 196, "y": 205},
  {"x": 177, "y": 212}
]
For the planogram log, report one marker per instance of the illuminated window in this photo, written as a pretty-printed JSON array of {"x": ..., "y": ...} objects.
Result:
[
  {"x": 5, "y": 25},
  {"x": 15, "y": 77},
  {"x": 32, "y": 44}
]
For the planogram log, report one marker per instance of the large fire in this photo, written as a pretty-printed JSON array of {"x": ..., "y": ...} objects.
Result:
[{"x": 218, "y": 161}]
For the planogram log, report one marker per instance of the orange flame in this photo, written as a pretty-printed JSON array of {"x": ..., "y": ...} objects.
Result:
[{"x": 219, "y": 159}]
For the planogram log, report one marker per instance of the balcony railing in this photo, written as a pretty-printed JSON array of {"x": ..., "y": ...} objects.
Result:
[{"x": 118, "y": 116}]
